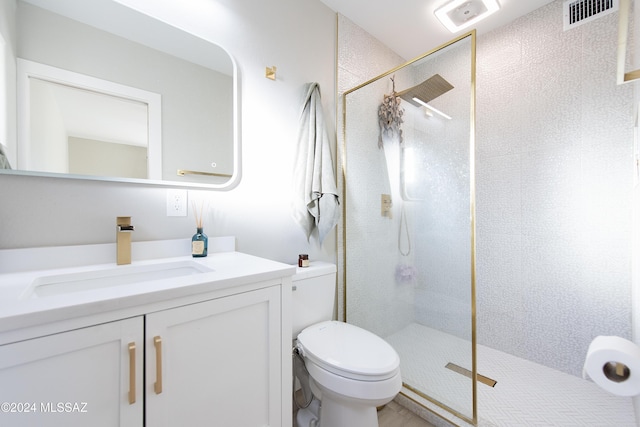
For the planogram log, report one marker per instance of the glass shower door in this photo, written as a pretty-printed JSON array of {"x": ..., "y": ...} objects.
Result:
[{"x": 409, "y": 220}]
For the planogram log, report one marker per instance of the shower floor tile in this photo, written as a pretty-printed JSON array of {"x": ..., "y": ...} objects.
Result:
[{"x": 526, "y": 393}]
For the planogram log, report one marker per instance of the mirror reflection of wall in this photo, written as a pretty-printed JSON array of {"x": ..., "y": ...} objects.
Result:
[
  {"x": 56, "y": 105},
  {"x": 91, "y": 157},
  {"x": 7, "y": 84},
  {"x": 77, "y": 131},
  {"x": 4, "y": 89}
]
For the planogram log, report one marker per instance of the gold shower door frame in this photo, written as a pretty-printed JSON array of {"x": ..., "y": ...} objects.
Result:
[{"x": 472, "y": 208}]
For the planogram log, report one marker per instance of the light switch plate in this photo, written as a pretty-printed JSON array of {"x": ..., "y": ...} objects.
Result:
[{"x": 176, "y": 202}]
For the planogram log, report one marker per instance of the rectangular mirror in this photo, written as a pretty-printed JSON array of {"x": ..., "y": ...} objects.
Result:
[{"x": 84, "y": 71}]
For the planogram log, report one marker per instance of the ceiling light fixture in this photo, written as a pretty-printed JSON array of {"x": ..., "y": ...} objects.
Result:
[{"x": 459, "y": 14}]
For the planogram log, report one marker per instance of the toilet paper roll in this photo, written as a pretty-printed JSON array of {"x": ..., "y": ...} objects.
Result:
[{"x": 613, "y": 363}]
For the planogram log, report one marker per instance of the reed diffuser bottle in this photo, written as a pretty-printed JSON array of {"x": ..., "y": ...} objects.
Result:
[{"x": 199, "y": 241}]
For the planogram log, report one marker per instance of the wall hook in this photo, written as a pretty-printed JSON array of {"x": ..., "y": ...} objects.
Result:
[{"x": 271, "y": 73}]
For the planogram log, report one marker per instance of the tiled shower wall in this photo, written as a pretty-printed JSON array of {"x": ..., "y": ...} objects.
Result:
[
  {"x": 361, "y": 58},
  {"x": 554, "y": 179}
]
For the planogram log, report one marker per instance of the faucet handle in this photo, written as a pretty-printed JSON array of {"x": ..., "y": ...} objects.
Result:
[
  {"x": 123, "y": 239},
  {"x": 123, "y": 223}
]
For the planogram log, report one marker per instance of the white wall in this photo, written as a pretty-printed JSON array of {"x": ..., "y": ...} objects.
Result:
[
  {"x": 297, "y": 36},
  {"x": 91, "y": 157},
  {"x": 48, "y": 143}
]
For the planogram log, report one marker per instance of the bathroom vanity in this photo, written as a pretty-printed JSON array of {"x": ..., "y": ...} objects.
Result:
[{"x": 210, "y": 346}]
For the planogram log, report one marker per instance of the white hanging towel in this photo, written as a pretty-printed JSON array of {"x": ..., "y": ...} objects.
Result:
[{"x": 315, "y": 196}]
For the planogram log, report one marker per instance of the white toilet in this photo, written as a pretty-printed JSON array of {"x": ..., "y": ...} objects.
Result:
[{"x": 351, "y": 370}]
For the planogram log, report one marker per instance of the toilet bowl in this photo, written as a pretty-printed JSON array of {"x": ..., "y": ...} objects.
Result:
[{"x": 351, "y": 370}]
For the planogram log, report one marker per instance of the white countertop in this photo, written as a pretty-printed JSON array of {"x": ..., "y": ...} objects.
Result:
[{"x": 230, "y": 269}]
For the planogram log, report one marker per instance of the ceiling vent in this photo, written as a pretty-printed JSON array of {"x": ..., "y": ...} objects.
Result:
[{"x": 578, "y": 12}]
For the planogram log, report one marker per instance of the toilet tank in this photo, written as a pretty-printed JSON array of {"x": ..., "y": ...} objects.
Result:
[{"x": 314, "y": 295}]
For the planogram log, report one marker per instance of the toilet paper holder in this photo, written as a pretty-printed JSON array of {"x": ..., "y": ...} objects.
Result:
[
  {"x": 613, "y": 363},
  {"x": 616, "y": 371}
]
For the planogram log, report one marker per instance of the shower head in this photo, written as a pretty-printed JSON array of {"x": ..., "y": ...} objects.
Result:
[{"x": 426, "y": 91}]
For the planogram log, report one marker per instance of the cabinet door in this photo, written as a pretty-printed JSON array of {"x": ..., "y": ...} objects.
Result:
[
  {"x": 219, "y": 363},
  {"x": 74, "y": 379}
]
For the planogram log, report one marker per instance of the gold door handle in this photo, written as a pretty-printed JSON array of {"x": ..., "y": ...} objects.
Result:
[
  {"x": 132, "y": 373},
  {"x": 157, "y": 386}
]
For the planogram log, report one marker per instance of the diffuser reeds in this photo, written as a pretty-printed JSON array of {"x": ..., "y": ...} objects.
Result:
[{"x": 198, "y": 213}]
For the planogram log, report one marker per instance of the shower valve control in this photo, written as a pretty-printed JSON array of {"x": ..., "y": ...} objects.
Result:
[{"x": 385, "y": 206}]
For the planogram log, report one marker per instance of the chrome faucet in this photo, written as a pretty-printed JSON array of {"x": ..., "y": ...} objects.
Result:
[{"x": 123, "y": 240}]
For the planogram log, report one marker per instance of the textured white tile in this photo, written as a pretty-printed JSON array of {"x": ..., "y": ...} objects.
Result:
[
  {"x": 499, "y": 259},
  {"x": 550, "y": 191},
  {"x": 498, "y": 195},
  {"x": 500, "y": 56},
  {"x": 502, "y": 115},
  {"x": 363, "y": 55}
]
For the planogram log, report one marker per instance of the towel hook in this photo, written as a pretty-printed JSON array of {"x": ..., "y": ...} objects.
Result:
[{"x": 271, "y": 73}]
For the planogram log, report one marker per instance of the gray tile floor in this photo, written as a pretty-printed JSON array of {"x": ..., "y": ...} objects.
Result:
[{"x": 394, "y": 415}]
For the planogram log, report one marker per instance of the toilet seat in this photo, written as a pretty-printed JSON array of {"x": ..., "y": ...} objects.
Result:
[{"x": 349, "y": 351}]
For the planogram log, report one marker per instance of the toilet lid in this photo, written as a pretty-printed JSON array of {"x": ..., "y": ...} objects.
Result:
[{"x": 349, "y": 351}]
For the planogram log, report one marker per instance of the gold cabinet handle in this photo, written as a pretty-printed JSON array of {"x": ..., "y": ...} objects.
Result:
[
  {"x": 157, "y": 386},
  {"x": 132, "y": 373}
]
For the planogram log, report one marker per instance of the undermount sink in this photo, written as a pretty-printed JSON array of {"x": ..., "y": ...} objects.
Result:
[{"x": 110, "y": 277}]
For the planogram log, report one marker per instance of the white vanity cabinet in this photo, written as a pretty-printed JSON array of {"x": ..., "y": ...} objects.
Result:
[
  {"x": 74, "y": 379},
  {"x": 219, "y": 358},
  {"x": 216, "y": 363}
]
